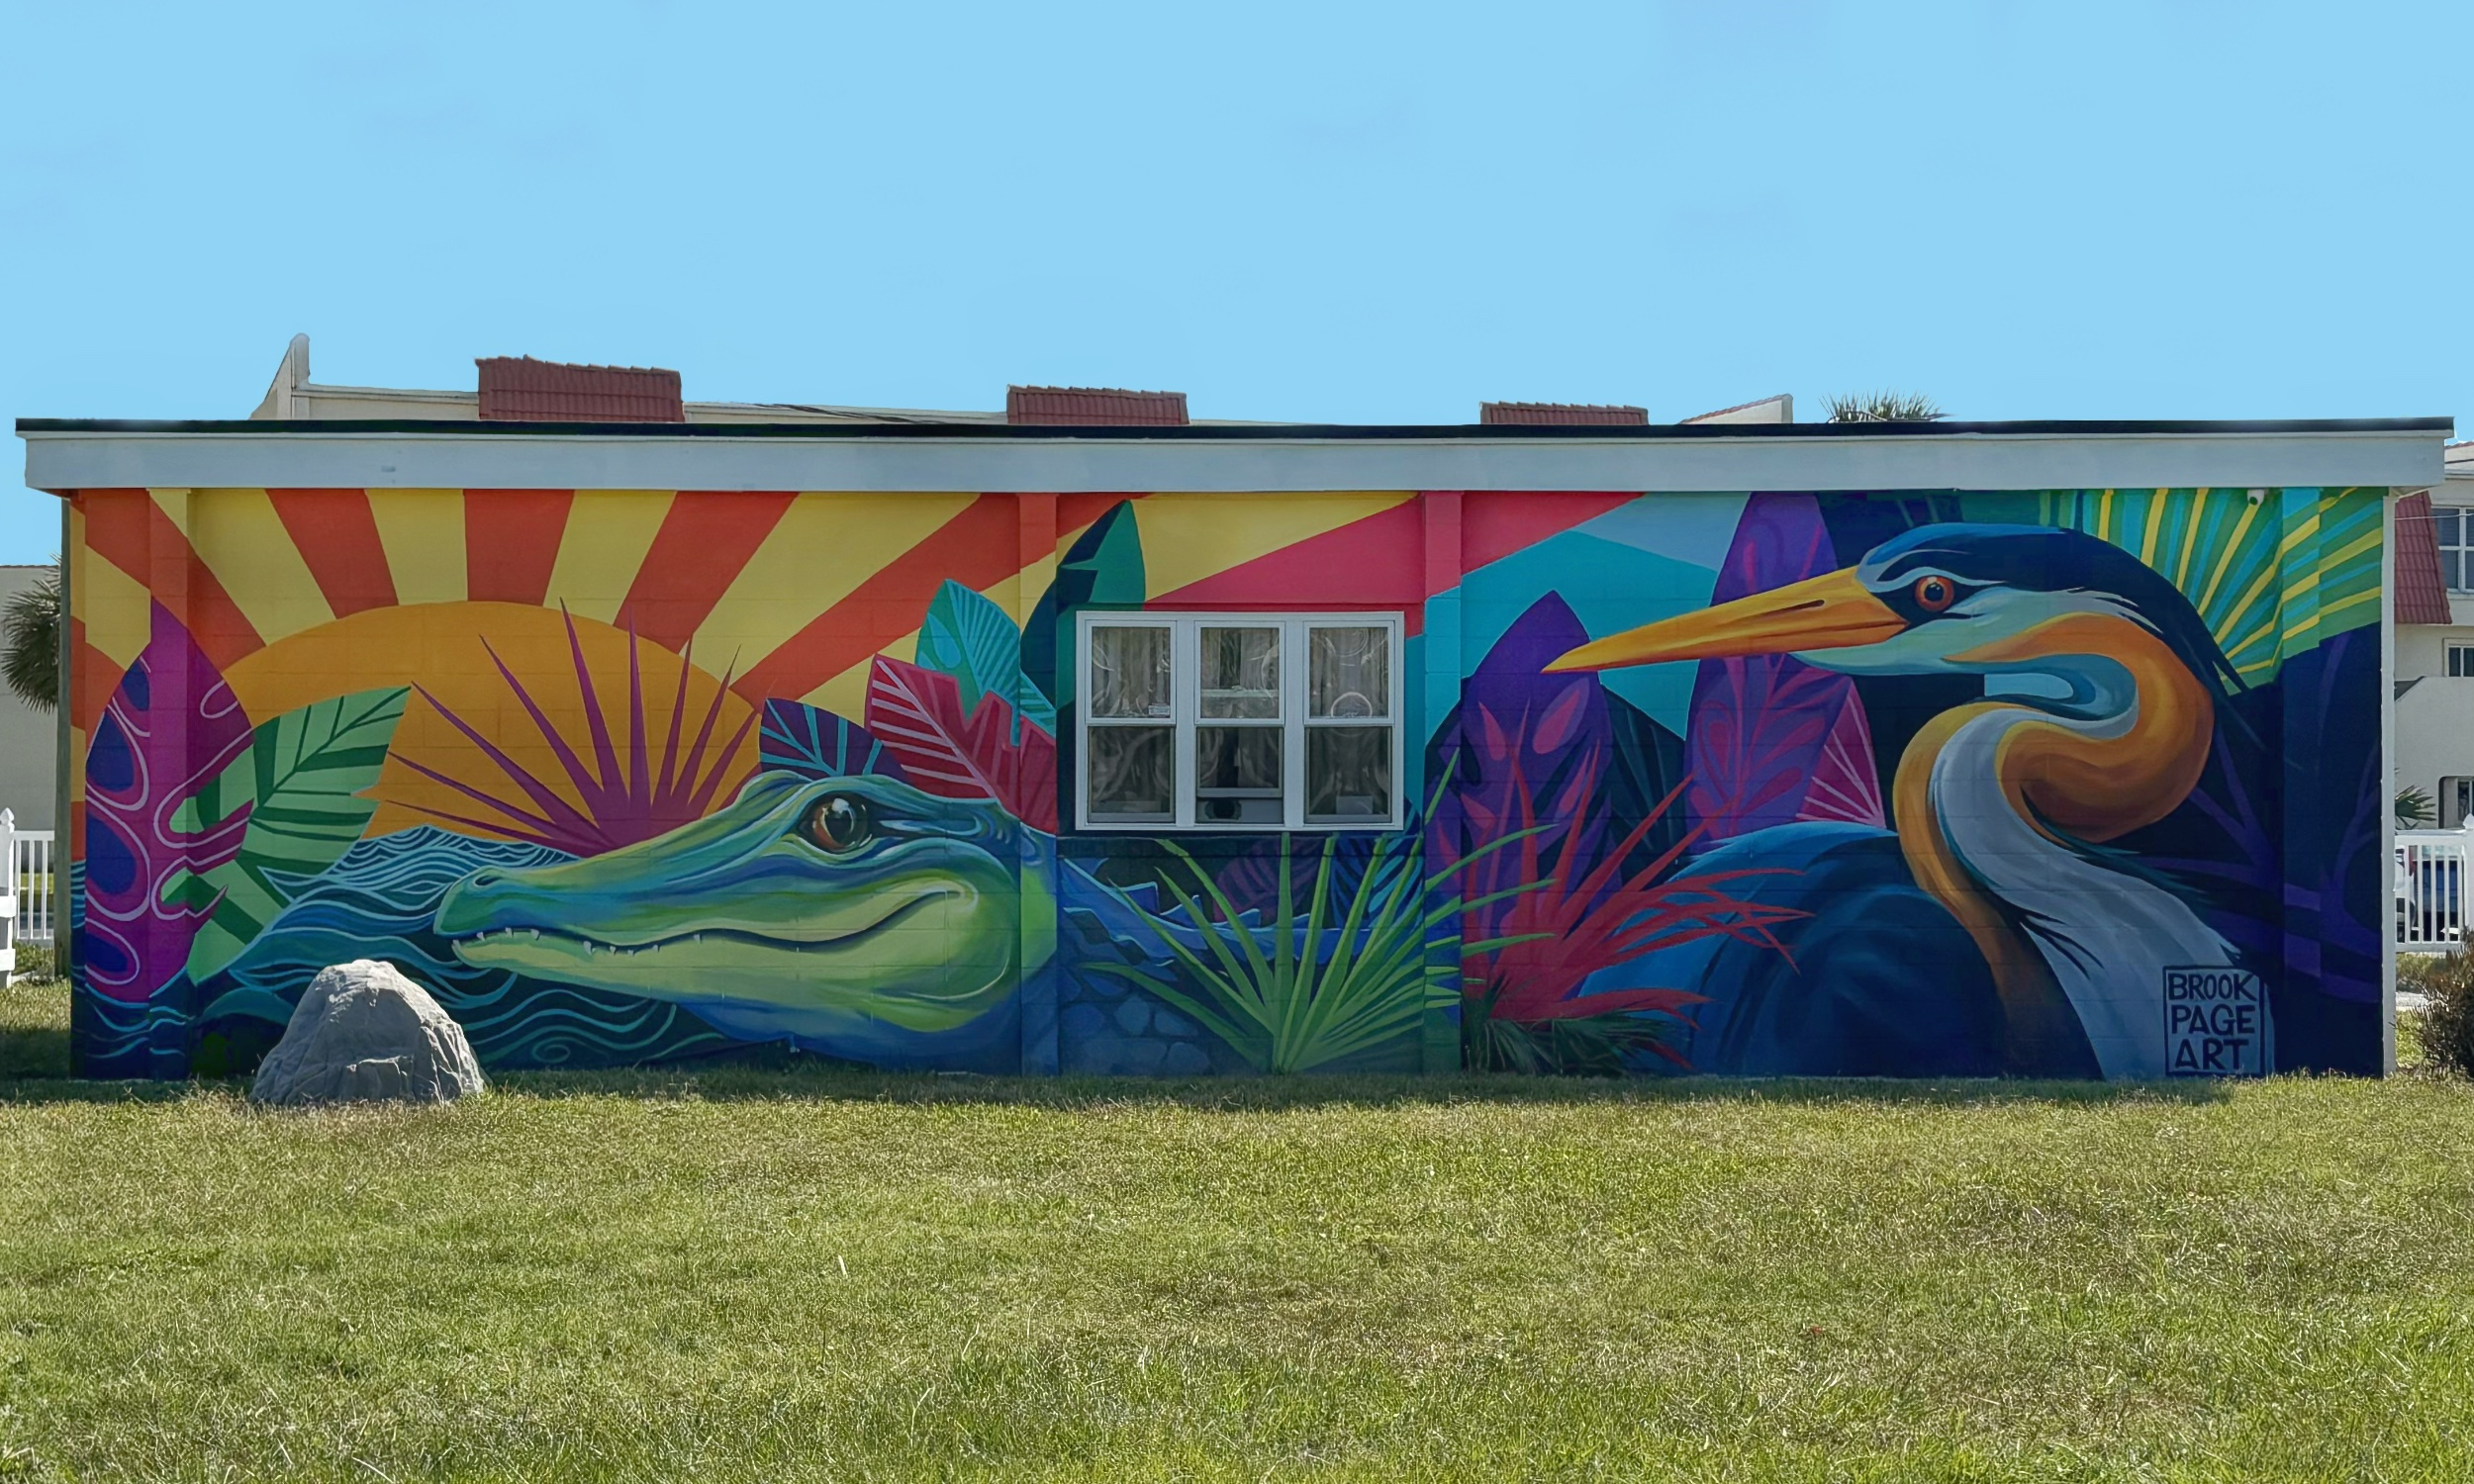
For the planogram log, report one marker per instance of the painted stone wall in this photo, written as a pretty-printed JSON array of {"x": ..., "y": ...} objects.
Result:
[{"x": 2071, "y": 782}]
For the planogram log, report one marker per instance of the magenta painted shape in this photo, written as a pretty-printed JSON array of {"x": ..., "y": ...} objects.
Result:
[
  {"x": 1772, "y": 739},
  {"x": 171, "y": 724}
]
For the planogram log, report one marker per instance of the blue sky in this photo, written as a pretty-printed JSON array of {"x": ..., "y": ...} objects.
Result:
[{"x": 1318, "y": 212}]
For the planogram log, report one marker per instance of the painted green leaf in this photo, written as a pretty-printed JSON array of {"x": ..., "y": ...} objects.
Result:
[
  {"x": 2274, "y": 572},
  {"x": 968, "y": 636},
  {"x": 302, "y": 782},
  {"x": 1102, "y": 568}
]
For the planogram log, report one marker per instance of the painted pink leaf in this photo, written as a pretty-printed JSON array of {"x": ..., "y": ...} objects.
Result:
[
  {"x": 917, "y": 714},
  {"x": 1845, "y": 784},
  {"x": 170, "y": 726},
  {"x": 1772, "y": 738}
]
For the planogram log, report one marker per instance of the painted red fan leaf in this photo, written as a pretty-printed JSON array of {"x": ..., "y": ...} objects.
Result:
[{"x": 917, "y": 714}]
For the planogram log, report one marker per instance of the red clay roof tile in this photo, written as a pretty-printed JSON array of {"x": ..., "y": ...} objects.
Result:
[
  {"x": 520, "y": 389},
  {"x": 1546, "y": 413},
  {"x": 1093, "y": 407},
  {"x": 2421, "y": 593}
]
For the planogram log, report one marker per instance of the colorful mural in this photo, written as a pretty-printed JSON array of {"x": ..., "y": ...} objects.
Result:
[{"x": 2061, "y": 784}]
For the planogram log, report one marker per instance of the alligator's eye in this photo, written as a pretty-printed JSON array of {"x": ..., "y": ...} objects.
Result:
[
  {"x": 1935, "y": 593},
  {"x": 838, "y": 822}
]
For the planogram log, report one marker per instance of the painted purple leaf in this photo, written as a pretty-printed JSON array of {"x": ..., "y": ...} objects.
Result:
[
  {"x": 170, "y": 726},
  {"x": 815, "y": 743},
  {"x": 1772, "y": 738},
  {"x": 1523, "y": 728}
]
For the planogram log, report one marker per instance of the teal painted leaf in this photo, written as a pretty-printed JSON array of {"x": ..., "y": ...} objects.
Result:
[
  {"x": 968, "y": 636},
  {"x": 301, "y": 783},
  {"x": 1102, "y": 568}
]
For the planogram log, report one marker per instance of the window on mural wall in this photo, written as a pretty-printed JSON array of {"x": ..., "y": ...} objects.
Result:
[
  {"x": 1246, "y": 721},
  {"x": 2454, "y": 528}
]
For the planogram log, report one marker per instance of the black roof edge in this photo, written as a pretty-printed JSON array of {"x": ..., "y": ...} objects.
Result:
[{"x": 1327, "y": 432}]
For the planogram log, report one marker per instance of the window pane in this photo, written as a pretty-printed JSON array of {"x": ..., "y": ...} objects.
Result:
[
  {"x": 1237, "y": 776},
  {"x": 2448, "y": 570},
  {"x": 1348, "y": 775},
  {"x": 2444, "y": 520},
  {"x": 1239, "y": 672},
  {"x": 1129, "y": 672},
  {"x": 1133, "y": 773},
  {"x": 1349, "y": 672}
]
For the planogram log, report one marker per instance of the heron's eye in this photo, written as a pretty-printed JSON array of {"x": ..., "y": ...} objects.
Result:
[
  {"x": 838, "y": 824},
  {"x": 1935, "y": 593}
]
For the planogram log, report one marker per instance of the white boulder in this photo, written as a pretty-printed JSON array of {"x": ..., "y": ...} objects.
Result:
[{"x": 364, "y": 1033}]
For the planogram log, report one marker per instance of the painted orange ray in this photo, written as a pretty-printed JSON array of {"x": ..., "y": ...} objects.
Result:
[
  {"x": 705, "y": 539},
  {"x": 338, "y": 538},
  {"x": 127, "y": 528},
  {"x": 977, "y": 548},
  {"x": 511, "y": 542}
]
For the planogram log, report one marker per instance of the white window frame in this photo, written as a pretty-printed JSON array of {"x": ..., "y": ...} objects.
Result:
[
  {"x": 2450, "y": 664},
  {"x": 1185, "y": 698},
  {"x": 2462, "y": 546}
]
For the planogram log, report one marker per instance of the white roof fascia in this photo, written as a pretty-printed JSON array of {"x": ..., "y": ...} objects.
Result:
[{"x": 84, "y": 458}]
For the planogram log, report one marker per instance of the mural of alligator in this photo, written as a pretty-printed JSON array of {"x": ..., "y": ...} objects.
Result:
[{"x": 849, "y": 914}]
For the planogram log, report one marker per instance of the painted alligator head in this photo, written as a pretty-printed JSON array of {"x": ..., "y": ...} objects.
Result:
[{"x": 806, "y": 907}]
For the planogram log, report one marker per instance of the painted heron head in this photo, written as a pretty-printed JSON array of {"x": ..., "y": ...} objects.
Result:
[{"x": 1935, "y": 599}]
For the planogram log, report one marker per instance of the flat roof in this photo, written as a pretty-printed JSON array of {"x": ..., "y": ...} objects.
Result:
[{"x": 91, "y": 454}]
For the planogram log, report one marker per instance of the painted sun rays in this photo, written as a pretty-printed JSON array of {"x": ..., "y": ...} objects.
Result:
[{"x": 616, "y": 802}]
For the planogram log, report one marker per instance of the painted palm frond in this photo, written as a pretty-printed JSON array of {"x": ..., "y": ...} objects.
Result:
[
  {"x": 622, "y": 802},
  {"x": 1319, "y": 978},
  {"x": 2274, "y": 572}
]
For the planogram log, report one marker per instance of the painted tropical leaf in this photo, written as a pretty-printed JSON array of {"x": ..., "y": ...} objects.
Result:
[
  {"x": 944, "y": 750},
  {"x": 1102, "y": 568},
  {"x": 815, "y": 743},
  {"x": 1772, "y": 738},
  {"x": 968, "y": 636},
  {"x": 1523, "y": 734},
  {"x": 300, "y": 791},
  {"x": 170, "y": 726},
  {"x": 2274, "y": 572}
]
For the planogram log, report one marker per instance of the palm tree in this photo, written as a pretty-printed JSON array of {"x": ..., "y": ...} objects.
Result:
[
  {"x": 30, "y": 635},
  {"x": 2414, "y": 809},
  {"x": 1884, "y": 407}
]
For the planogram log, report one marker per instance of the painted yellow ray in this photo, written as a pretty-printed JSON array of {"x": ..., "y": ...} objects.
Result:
[
  {"x": 423, "y": 531},
  {"x": 242, "y": 541},
  {"x": 604, "y": 548},
  {"x": 846, "y": 695},
  {"x": 826, "y": 545},
  {"x": 115, "y": 607},
  {"x": 1188, "y": 537}
]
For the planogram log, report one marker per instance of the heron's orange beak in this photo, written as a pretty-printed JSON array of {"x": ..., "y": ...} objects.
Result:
[{"x": 1830, "y": 611}]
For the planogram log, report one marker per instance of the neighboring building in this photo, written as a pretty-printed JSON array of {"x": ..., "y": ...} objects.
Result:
[
  {"x": 2434, "y": 663},
  {"x": 1087, "y": 737},
  {"x": 29, "y": 738}
]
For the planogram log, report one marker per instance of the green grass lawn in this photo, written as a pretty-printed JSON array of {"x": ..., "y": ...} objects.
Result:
[{"x": 745, "y": 1276}]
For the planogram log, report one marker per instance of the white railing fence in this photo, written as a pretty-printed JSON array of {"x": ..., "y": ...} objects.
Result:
[
  {"x": 29, "y": 896},
  {"x": 2430, "y": 890}
]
